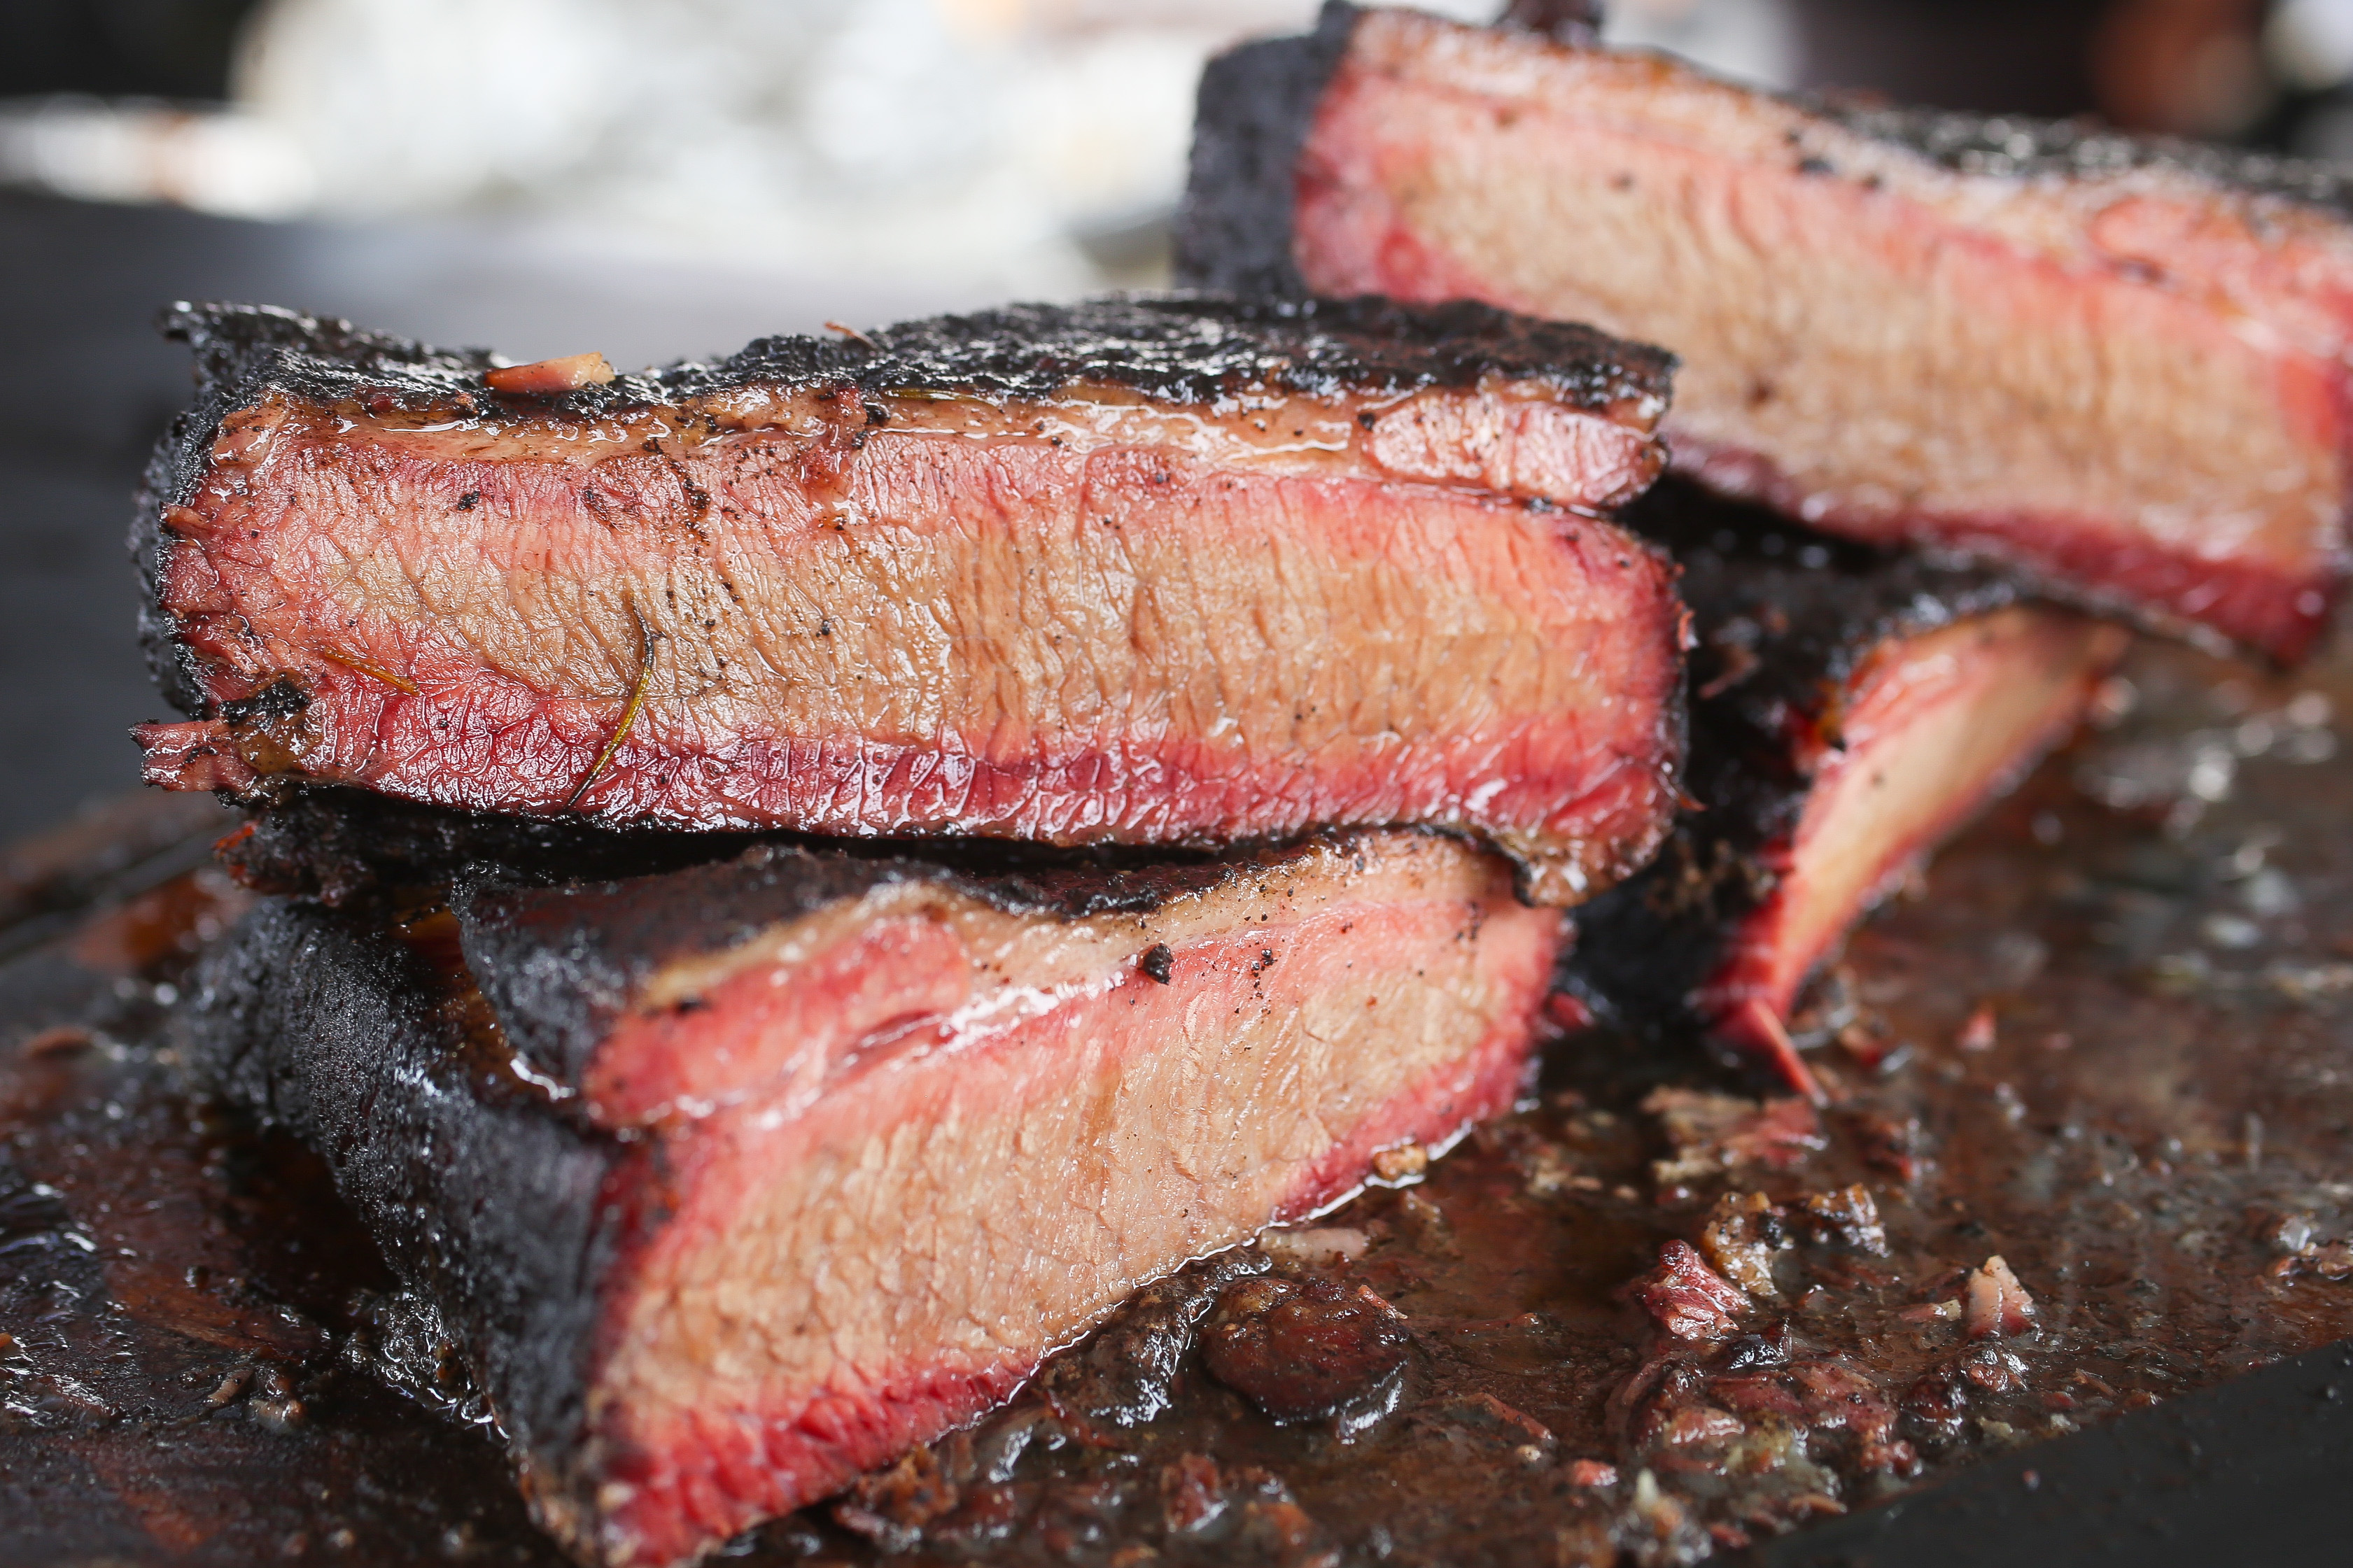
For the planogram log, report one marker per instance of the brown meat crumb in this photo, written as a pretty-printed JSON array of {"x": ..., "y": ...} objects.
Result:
[
  {"x": 1848, "y": 1216},
  {"x": 1740, "y": 1238},
  {"x": 1688, "y": 1299}
]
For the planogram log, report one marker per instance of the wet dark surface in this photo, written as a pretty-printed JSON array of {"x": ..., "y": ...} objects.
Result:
[{"x": 1647, "y": 1319}]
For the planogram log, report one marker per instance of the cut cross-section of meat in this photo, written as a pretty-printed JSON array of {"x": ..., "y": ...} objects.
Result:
[
  {"x": 2116, "y": 364},
  {"x": 737, "y": 1181},
  {"x": 1849, "y": 710},
  {"x": 1141, "y": 571}
]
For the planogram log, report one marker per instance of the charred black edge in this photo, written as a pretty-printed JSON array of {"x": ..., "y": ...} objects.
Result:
[
  {"x": 1180, "y": 347},
  {"x": 1644, "y": 945},
  {"x": 1250, "y": 122},
  {"x": 559, "y": 964},
  {"x": 482, "y": 1200},
  {"x": 350, "y": 848}
]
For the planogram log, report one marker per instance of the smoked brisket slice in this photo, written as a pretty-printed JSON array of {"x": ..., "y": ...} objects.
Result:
[
  {"x": 739, "y": 1179},
  {"x": 1849, "y": 710},
  {"x": 1141, "y": 571},
  {"x": 2116, "y": 365}
]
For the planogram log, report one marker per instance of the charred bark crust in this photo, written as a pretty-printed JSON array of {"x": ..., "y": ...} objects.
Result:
[
  {"x": 354, "y": 849},
  {"x": 1254, "y": 108},
  {"x": 1784, "y": 618},
  {"x": 487, "y": 1200},
  {"x": 1179, "y": 348},
  {"x": 2014, "y": 146},
  {"x": 351, "y": 848}
]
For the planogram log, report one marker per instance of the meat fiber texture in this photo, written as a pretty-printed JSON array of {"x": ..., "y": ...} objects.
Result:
[
  {"x": 1165, "y": 570},
  {"x": 1851, "y": 709},
  {"x": 2116, "y": 365},
  {"x": 737, "y": 1181}
]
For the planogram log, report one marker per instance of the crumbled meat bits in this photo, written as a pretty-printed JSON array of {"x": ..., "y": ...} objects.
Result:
[{"x": 1710, "y": 1133}]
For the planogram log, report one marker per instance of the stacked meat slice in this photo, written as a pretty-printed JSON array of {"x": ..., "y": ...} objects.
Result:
[
  {"x": 738, "y": 1181},
  {"x": 2108, "y": 371},
  {"x": 1262, "y": 679},
  {"x": 1134, "y": 572},
  {"x": 2116, "y": 365}
]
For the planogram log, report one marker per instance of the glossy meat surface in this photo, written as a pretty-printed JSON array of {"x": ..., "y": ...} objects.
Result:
[
  {"x": 2115, "y": 366},
  {"x": 1132, "y": 572},
  {"x": 743, "y": 1179}
]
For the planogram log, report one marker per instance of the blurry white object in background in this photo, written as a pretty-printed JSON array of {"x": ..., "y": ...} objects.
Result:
[
  {"x": 983, "y": 147},
  {"x": 2308, "y": 45},
  {"x": 2310, "y": 42},
  {"x": 1753, "y": 41},
  {"x": 408, "y": 104},
  {"x": 1036, "y": 144},
  {"x": 999, "y": 146},
  {"x": 237, "y": 164},
  {"x": 860, "y": 135}
]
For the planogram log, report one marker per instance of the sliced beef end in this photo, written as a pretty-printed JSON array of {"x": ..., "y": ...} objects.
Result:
[
  {"x": 1849, "y": 711},
  {"x": 1159, "y": 572},
  {"x": 742, "y": 1182},
  {"x": 2115, "y": 366}
]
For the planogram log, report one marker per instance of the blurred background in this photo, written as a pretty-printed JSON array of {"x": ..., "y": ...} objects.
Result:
[{"x": 665, "y": 179}]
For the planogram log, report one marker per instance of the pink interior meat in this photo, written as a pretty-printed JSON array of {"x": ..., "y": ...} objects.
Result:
[{"x": 1090, "y": 617}]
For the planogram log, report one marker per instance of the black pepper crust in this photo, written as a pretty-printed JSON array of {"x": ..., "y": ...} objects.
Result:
[
  {"x": 1251, "y": 120},
  {"x": 484, "y": 1200},
  {"x": 1784, "y": 618},
  {"x": 1205, "y": 349},
  {"x": 1195, "y": 350},
  {"x": 354, "y": 849},
  {"x": 1183, "y": 348},
  {"x": 2018, "y": 147},
  {"x": 1257, "y": 102}
]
